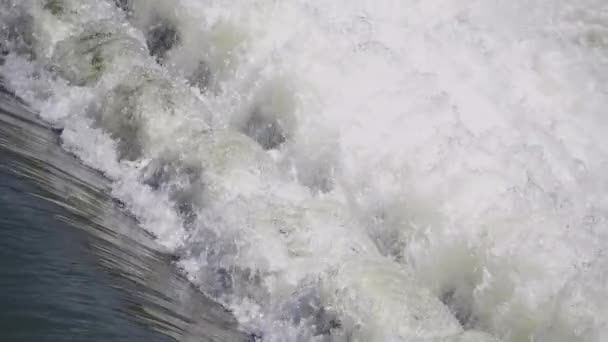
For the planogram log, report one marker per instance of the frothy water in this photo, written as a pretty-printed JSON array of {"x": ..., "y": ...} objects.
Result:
[
  {"x": 74, "y": 265},
  {"x": 347, "y": 170}
]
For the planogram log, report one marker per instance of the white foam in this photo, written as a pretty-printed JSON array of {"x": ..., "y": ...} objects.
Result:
[{"x": 433, "y": 150}]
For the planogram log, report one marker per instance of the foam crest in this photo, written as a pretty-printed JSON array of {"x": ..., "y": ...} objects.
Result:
[{"x": 217, "y": 186}]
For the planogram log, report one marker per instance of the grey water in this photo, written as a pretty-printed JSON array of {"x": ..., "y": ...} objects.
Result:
[{"x": 73, "y": 265}]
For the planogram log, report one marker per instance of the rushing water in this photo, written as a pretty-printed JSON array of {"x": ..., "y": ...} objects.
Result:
[
  {"x": 346, "y": 170},
  {"x": 73, "y": 266}
]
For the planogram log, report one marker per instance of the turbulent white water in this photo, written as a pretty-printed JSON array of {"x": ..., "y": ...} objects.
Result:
[{"x": 347, "y": 170}]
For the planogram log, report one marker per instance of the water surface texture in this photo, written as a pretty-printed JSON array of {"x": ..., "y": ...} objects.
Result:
[
  {"x": 74, "y": 267},
  {"x": 345, "y": 170}
]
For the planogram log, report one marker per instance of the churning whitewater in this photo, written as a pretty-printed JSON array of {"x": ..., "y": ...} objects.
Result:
[{"x": 347, "y": 170}]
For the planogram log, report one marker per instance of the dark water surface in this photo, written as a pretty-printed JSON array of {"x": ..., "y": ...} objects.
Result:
[{"x": 73, "y": 266}]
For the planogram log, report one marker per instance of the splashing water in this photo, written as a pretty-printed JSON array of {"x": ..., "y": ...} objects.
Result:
[{"x": 347, "y": 170}]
